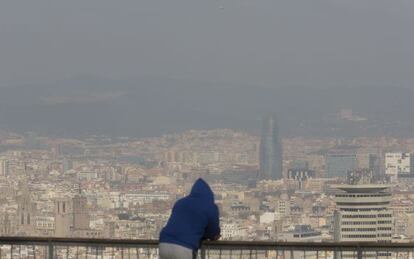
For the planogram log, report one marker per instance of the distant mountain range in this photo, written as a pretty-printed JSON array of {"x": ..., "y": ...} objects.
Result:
[{"x": 151, "y": 106}]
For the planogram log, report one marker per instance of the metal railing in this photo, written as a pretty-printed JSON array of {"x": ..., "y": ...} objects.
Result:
[{"x": 51, "y": 248}]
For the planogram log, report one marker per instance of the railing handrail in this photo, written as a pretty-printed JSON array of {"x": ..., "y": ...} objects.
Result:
[{"x": 15, "y": 240}]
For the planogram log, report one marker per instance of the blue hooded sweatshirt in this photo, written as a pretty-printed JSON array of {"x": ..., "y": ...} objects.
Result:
[{"x": 193, "y": 218}]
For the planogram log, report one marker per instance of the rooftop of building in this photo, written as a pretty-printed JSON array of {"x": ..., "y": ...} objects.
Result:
[{"x": 362, "y": 188}]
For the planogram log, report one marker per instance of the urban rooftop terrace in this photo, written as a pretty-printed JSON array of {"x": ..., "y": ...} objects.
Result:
[{"x": 50, "y": 248}]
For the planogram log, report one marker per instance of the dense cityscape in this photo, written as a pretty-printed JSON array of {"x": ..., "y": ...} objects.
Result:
[
  {"x": 207, "y": 129},
  {"x": 266, "y": 187}
]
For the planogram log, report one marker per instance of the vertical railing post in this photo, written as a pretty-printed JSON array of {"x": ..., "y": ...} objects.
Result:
[{"x": 50, "y": 250}]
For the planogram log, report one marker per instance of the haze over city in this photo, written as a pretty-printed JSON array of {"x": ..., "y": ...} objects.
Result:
[{"x": 282, "y": 121}]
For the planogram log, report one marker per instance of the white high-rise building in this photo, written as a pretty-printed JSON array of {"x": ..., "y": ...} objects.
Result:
[
  {"x": 363, "y": 214},
  {"x": 4, "y": 167},
  {"x": 397, "y": 164}
]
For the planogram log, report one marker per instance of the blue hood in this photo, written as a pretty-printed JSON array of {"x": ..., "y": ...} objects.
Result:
[
  {"x": 202, "y": 190},
  {"x": 193, "y": 218}
]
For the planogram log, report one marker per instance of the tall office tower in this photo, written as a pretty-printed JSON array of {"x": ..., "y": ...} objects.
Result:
[
  {"x": 270, "y": 151},
  {"x": 4, "y": 167},
  {"x": 398, "y": 165},
  {"x": 363, "y": 213},
  {"x": 339, "y": 161}
]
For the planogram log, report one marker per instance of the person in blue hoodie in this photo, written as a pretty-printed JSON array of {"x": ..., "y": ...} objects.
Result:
[{"x": 193, "y": 218}]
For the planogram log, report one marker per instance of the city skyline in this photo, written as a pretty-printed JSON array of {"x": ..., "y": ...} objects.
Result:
[{"x": 128, "y": 185}]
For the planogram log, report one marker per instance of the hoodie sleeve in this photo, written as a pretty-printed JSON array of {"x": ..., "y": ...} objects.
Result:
[{"x": 213, "y": 226}]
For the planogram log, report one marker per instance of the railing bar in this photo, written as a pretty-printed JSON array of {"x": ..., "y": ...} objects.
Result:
[
  {"x": 59, "y": 249},
  {"x": 128, "y": 242}
]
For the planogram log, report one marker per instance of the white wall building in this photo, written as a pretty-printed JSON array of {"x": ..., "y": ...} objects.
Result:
[
  {"x": 232, "y": 231},
  {"x": 269, "y": 217},
  {"x": 397, "y": 164},
  {"x": 363, "y": 214}
]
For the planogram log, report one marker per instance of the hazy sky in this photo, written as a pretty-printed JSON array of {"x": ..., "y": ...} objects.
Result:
[{"x": 268, "y": 42}]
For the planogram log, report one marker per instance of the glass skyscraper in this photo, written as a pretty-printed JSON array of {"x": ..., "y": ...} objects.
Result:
[{"x": 270, "y": 151}]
